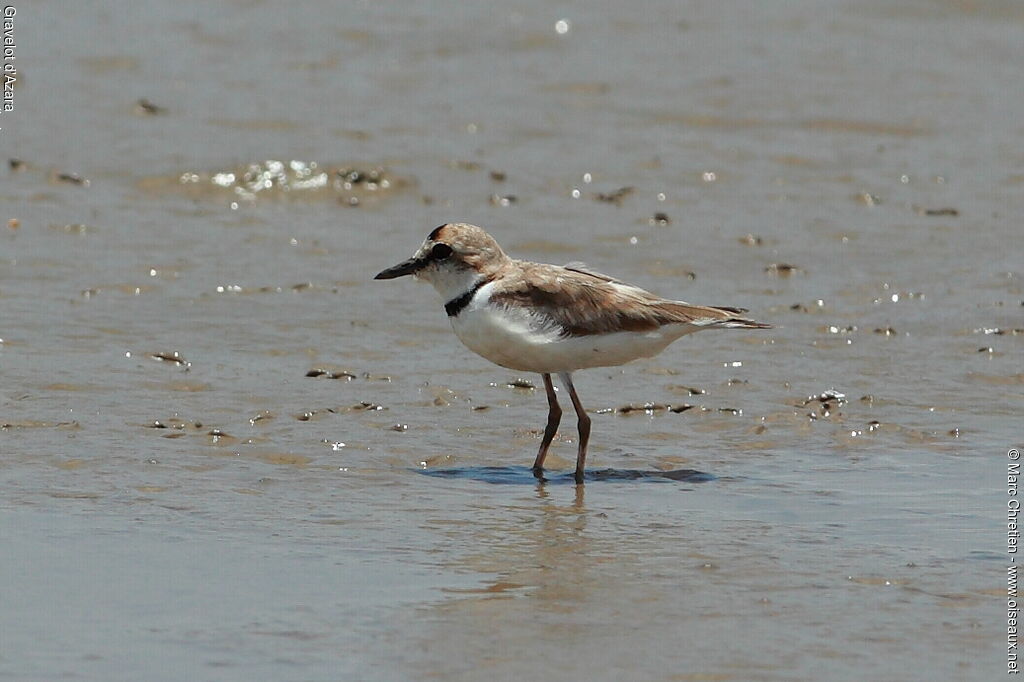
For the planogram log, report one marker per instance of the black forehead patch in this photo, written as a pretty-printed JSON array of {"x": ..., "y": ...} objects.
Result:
[{"x": 433, "y": 236}]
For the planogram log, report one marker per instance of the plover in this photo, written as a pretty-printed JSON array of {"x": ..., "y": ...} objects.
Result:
[{"x": 550, "y": 319}]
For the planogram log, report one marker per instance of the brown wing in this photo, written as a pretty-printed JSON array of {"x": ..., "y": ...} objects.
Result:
[
  {"x": 583, "y": 268},
  {"x": 584, "y": 303}
]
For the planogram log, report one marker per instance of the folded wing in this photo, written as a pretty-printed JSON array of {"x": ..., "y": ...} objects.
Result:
[{"x": 582, "y": 302}]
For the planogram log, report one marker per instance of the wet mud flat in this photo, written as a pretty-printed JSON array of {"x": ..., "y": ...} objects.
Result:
[{"x": 220, "y": 436}]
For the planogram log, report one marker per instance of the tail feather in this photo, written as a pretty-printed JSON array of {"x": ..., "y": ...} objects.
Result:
[
  {"x": 711, "y": 316},
  {"x": 741, "y": 323},
  {"x": 730, "y": 319}
]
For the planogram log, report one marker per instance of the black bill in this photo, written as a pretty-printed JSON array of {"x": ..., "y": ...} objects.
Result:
[{"x": 406, "y": 267}]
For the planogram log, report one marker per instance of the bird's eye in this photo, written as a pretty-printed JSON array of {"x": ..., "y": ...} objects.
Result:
[{"x": 440, "y": 251}]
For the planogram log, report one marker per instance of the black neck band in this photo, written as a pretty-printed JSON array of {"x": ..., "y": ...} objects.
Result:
[{"x": 459, "y": 303}]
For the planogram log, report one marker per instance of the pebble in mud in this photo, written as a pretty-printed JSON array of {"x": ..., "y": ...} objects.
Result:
[
  {"x": 659, "y": 219},
  {"x": 147, "y": 108},
  {"x": 826, "y": 396},
  {"x": 174, "y": 423},
  {"x": 220, "y": 437},
  {"x": 262, "y": 416},
  {"x": 174, "y": 357},
  {"x": 783, "y": 269},
  {"x": 525, "y": 384},
  {"x": 33, "y": 424},
  {"x": 503, "y": 201},
  {"x": 72, "y": 179},
  {"x": 751, "y": 240},
  {"x": 825, "y": 403},
  {"x": 442, "y": 396},
  {"x": 329, "y": 374},
  {"x": 647, "y": 408},
  {"x": 817, "y": 305},
  {"x": 351, "y": 177},
  {"x": 937, "y": 211},
  {"x": 362, "y": 406},
  {"x": 689, "y": 390}
]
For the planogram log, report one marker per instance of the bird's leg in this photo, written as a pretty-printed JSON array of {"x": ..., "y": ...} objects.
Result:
[
  {"x": 584, "y": 425},
  {"x": 554, "y": 417}
]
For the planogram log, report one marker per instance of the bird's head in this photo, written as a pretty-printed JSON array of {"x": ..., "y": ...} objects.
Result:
[{"x": 453, "y": 258}]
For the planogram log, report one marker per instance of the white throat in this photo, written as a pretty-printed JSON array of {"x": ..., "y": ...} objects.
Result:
[{"x": 450, "y": 282}]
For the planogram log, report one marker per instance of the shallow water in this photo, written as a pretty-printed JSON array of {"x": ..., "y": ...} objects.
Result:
[{"x": 180, "y": 499}]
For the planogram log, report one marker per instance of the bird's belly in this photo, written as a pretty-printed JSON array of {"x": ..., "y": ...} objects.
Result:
[{"x": 515, "y": 341}]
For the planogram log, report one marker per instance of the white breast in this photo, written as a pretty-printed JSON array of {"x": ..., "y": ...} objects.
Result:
[{"x": 517, "y": 338}]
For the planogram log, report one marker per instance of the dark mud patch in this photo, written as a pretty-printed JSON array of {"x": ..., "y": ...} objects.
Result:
[
  {"x": 172, "y": 358},
  {"x": 524, "y": 475},
  {"x": 783, "y": 270},
  {"x": 824, "y": 404},
  {"x": 53, "y": 176},
  {"x": 70, "y": 178},
  {"x": 144, "y": 107},
  {"x": 686, "y": 390},
  {"x": 38, "y": 424},
  {"x": 646, "y": 408},
  {"x": 326, "y": 373},
  {"x": 615, "y": 197},
  {"x": 952, "y": 212},
  {"x": 362, "y": 406},
  {"x": 175, "y": 423},
  {"x": 659, "y": 219}
]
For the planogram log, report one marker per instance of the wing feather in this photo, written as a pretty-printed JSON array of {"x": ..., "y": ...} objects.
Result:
[
  {"x": 581, "y": 302},
  {"x": 583, "y": 268}
]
